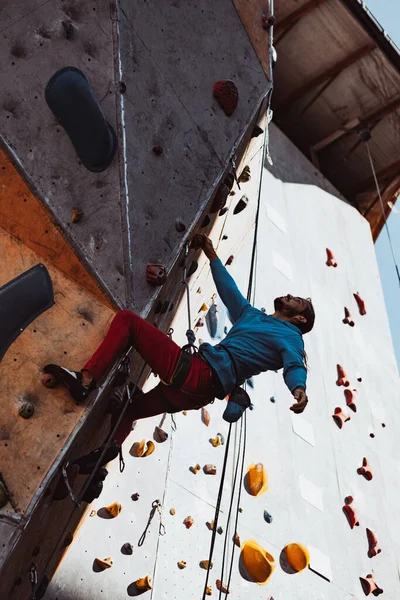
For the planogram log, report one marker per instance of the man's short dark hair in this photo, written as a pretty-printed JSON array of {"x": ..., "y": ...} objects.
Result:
[{"x": 309, "y": 314}]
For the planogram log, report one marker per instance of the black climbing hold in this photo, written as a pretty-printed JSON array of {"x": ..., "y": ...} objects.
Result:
[
  {"x": 68, "y": 29},
  {"x": 135, "y": 497},
  {"x": 26, "y": 410},
  {"x": 122, "y": 87},
  {"x": 257, "y": 131},
  {"x": 241, "y": 205},
  {"x": 229, "y": 180},
  {"x": 22, "y": 300},
  {"x": 180, "y": 226},
  {"x": 158, "y": 307},
  {"x": 267, "y": 517},
  {"x": 167, "y": 307},
  {"x": 206, "y": 221},
  {"x": 251, "y": 407},
  {"x": 193, "y": 268},
  {"x": 223, "y": 211},
  {"x": 127, "y": 548},
  {"x": 72, "y": 102},
  {"x": 157, "y": 150},
  {"x": 220, "y": 198},
  {"x": 272, "y": 399},
  {"x": 224, "y": 237}
]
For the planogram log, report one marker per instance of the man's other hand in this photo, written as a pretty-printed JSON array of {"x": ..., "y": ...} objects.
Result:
[
  {"x": 301, "y": 400},
  {"x": 200, "y": 240}
]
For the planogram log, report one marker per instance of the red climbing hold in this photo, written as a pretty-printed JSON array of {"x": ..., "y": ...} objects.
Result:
[
  {"x": 227, "y": 96},
  {"x": 339, "y": 417},
  {"x": 331, "y": 262},
  {"x": 268, "y": 22},
  {"x": 348, "y": 320},
  {"x": 351, "y": 516},
  {"x": 373, "y": 543},
  {"x": 230, "y": 260},
  {"x": 342, "y": 377},
  {"x": 348, "y": 500},
  {"x": 365, "y": 470},
  {"x": 360, "y": 303},
  {"x": 157, "y": 150},
  {"x": 350, "y": 399},
  {"x": 156, "y": 274},
  {"x": 369, "y": 586}
]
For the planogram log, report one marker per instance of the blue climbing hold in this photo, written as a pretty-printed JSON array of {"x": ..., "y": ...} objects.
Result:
[
  {"x": 267, "y": 517},
  {"x": 273, "y": 399}
]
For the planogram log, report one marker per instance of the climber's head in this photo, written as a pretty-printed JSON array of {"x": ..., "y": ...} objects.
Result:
[{"x": 296, "y": 310}]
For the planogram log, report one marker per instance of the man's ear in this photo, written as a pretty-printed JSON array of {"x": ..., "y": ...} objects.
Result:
[{"x": 301, "y": 318}]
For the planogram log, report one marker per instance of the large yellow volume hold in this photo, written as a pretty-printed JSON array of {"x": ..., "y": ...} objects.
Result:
[
  {"x": 297, "y": 556},
  {"x": 257, "y": 479},
  {"x": 258, "y": 562}
]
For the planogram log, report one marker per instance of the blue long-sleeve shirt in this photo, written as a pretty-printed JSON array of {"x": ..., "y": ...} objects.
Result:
[{"x": 257, "y": 342}]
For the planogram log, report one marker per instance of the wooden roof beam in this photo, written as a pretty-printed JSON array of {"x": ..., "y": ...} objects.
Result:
[
  {"x": 284, "y": 26},
  {"x": 328, "y": 74},
  {"x": 352, "y": 125},
  {"x": 392, "y": 170}
]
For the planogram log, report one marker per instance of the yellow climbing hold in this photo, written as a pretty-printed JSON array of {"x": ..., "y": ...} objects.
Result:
[
  {"x": 114, "y": 509},
  {"x": 182, "y": 564},
  {"x": 204, "y": 307},
  {"x": 150, "y": 448},
  {"x": 172, "y": 511},
  {"x": 105, "y": 563},
  {"x": 257, "y": 479},
  {"x": 138, "y": 448},
  {"x": 258, "y": 562},
  {"x": 144, "y": 583},
  {"x": 297, "y": 556},
  {"x": 216, "y": 441},
  {"x": 209, "y": 590}
]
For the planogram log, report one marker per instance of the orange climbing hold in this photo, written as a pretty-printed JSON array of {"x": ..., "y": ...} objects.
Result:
[
  {"x": 348, "y": 320},
  {"x": 370, "y": 586},
  {"x": 144, "y": 583},
  {"x": 114, "y": 509},
  {"x": 373, "y": 544},
  {"x": 350, "y": 512},
  {"x": 105, "y": 563},
  {"x": 339, "y": 417},
  {"x": 257, "y": 479},
  {"x": 258, "y": 562},
  {"x": 331, "y": 262},
  {"x": 222, "y": 588},
  {"x": 360, "y": 303},
  {"x": 297, "y": 556},
  {"x": 365, "y": 470},
  {"x": 156, "y": 274},
  {"x": 350, "y": 399},
  {"x": 188, "y": 522},
  {"x": 342, "y": 377},
  {"x": 205, "y": 416}
]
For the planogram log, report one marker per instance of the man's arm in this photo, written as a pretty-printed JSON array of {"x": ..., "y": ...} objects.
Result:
[
  {"x": 227, "y": 289},
  {"x": 294, "y": 371}
]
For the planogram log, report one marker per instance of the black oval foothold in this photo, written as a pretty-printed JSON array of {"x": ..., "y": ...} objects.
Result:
[
  {"x": 241, "y": 205},
  {"x": 193, "y": 268},
  {"x": 72, "y": 102},
  {"x": 206, "y": 221}
]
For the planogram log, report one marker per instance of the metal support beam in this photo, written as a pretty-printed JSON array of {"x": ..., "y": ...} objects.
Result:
[
  {"x": 351, "y": 126},
  {"x": 328, "y": 75}
]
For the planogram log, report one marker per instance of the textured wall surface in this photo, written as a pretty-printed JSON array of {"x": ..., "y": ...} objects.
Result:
[{"x": 311, "y": 464}]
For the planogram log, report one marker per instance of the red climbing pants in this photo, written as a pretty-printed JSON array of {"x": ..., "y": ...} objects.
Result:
[{"x": 161, "y": 354}]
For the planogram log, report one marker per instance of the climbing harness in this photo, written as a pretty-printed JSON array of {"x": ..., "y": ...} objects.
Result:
[
  {"x": 155, "y": 507},
  {"x": 33, "y": 578}
]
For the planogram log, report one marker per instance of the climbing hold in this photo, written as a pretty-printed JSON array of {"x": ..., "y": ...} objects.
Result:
[
  {"x": 193, "y": 268},
  {"x": 68, "y": 29},
  {"x": 241, "y": 205},
  {"x": 157, "y": 150},
  {"x": 182, "y": 564},
  {"x": 209, "y": 469},
  {"x": 222, "y": 438},
  {"x": 220, "y": 531},
  {"x": 237, "y": 540},
  {"x": 205, "y": 416},
  {"x": 360, "y": 303},
  {"x": 350, "y": 513},
  {"x": 210, "y": 525},
  {"x": 135, "y": 497},
  {"x": 227, "y": 96},
  {"x": 160, "y": 435},
  {"x": 76, "y": 215},
  {"x": 257, "y": 479},
  {"x": 127, "y": 548},
  {"x": 195, "y": 469},
  {"x": 206, "y": 221},
  {"x": 350, "y": 399},
  {"x": 267, "y": 517},
  {"x": 224, "y": 237},
  {"x": 272, "y": 399},
  {"x": 256, "y": 131},
  {"x": 184, "y": 412},
  {"x": 209, "y": 590},
  {"x": 259, "y": 563},
  {"x": 220, "y": 198},
  {"x": 138, "y": 448},
  {"x": 188, "y": 522},
  {"x": 347, "y": 318},
  {"x": 331, "y": 262},
  {"x": 172, "y": 511},
  {"x": 199, "y": 322},
  {"x": 3, "y": 495},
  {"x": 122, "y": 87},
  {"x": 365, "y": 470},
  {"x": 180, "y": 226},
  {"x": 26, "y": 409},
  {"x": 369, "y": 586},
  {"x": 72, "y": 102},
  {"x": 342, "y": 377},
  {"x": 267, "y": 21},
  {"x": 373, "y": 543},
  {"x": 150, "y": 448},
  {"x": 339, "y": 417},
  {"x": 221, "y": 587},
  {"x": 166, "y": 307},
  {"x": 297, "y": 556},
  {"x": 359, "y": 379},
  {"x": 114, "y": 509},
  {"x": 216, "y": 441},
  {"x": 223, "y": 211},
  {"x": 245, "y": 175},
  {"x": 383, "y": 425},
  {"x": 144, "y": 583},
  {"x": 93, "y": 513},
  {"x": 205, "y": 563},
  {"x": 372, "y": 435},
  {"x": 204, "y": 307},
  {"x": 156, "y": 274},
  {"x": 230, "y": 260},
  {"x": 105, "y": 563}
]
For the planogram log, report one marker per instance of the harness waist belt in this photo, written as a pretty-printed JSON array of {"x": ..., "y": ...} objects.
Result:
[{"x": 182, "y": 369}]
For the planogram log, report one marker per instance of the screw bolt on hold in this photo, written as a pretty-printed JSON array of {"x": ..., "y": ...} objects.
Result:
[
  {"x": 365, "y": 470},
  {"x": 339, "y": 417},
  {"x": 331, "y": 262}
]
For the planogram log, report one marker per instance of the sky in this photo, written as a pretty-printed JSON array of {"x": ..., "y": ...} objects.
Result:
[{"x": 387, "y": 13}]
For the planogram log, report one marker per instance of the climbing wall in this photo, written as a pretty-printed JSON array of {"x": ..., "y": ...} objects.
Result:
[{"x": 312, "y": 464}]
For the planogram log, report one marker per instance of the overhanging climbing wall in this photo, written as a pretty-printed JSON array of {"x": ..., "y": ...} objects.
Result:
[{"x": 311, "y": 463}]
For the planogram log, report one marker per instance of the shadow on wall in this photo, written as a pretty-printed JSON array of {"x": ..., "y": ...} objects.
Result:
[{"x": 64, "y": 594}]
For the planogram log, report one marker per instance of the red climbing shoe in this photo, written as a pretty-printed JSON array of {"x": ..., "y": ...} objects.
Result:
[{"x": 55, "y": 375}]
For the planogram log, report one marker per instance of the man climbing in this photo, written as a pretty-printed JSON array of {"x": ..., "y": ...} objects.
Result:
[{"x": 257, "y": 342}]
